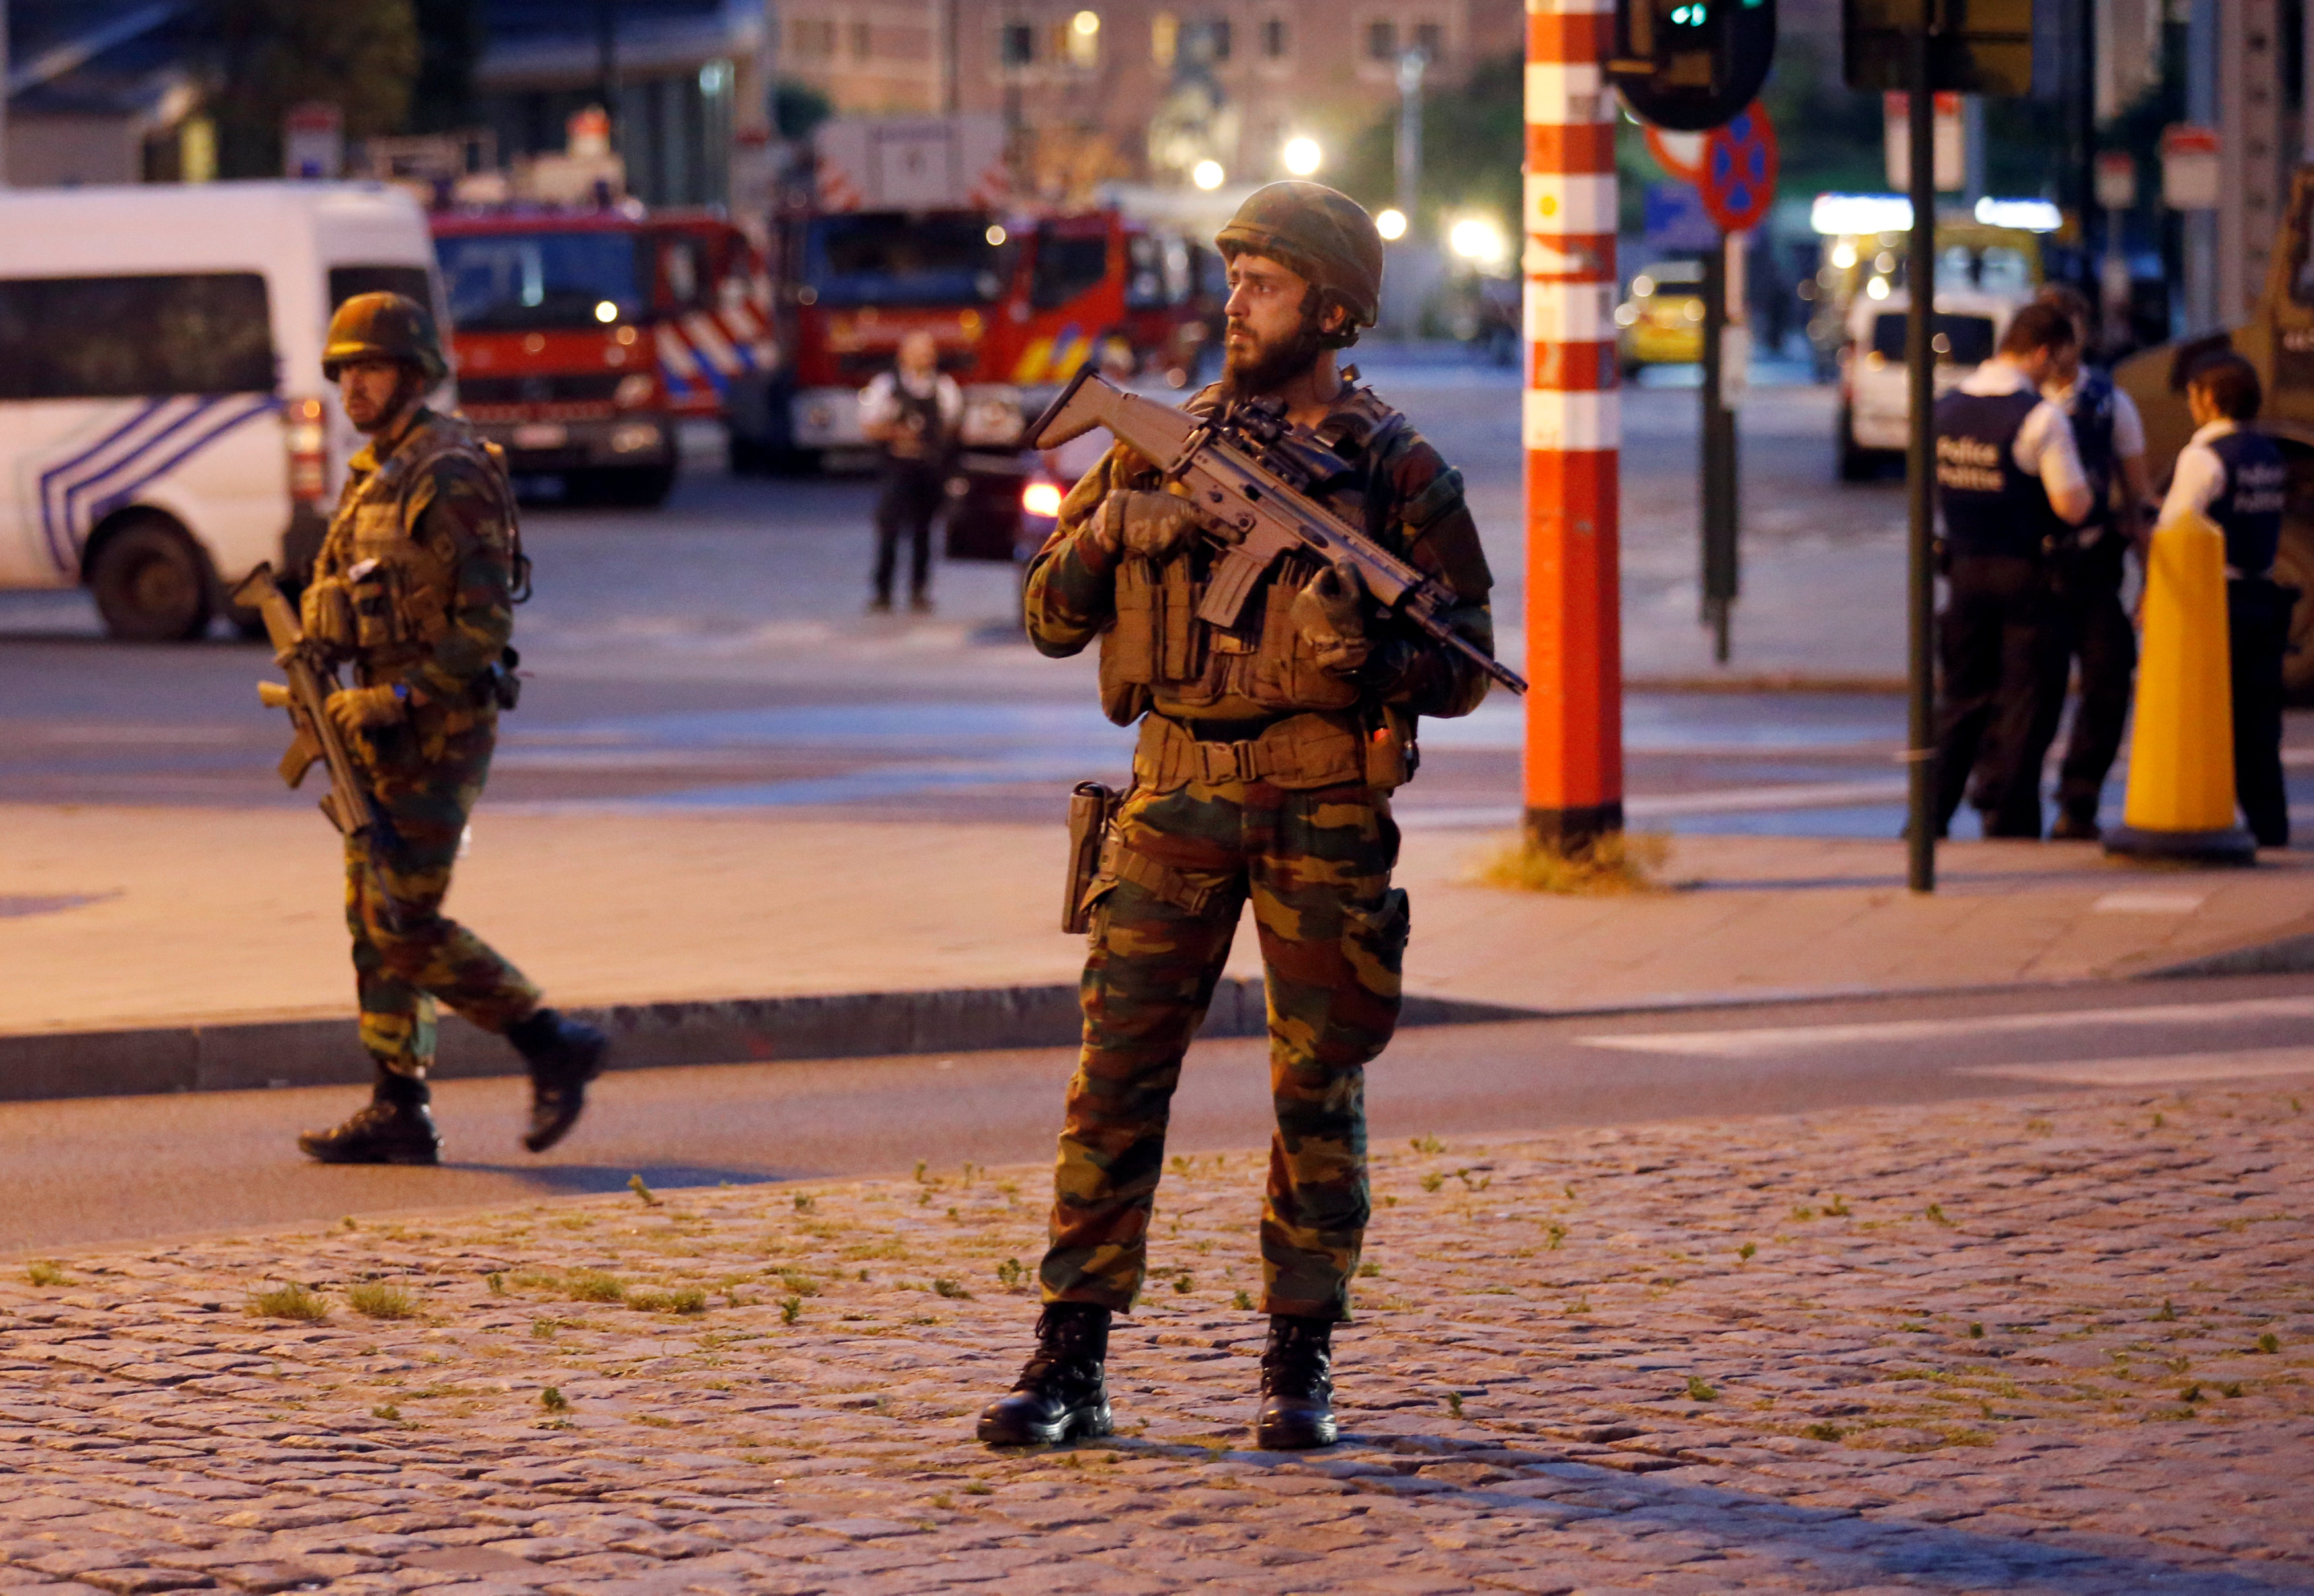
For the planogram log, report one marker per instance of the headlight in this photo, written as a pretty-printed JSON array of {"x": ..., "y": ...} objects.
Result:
[{"x": 1042, "y": 498}]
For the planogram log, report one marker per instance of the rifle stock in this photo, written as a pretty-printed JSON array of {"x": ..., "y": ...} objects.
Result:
[{"x": 1253, "y": 508}]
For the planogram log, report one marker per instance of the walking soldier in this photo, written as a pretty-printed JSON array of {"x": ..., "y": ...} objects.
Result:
[
  {"x": 1266, "y": 758},
  {"x": 415, "y": 588}
]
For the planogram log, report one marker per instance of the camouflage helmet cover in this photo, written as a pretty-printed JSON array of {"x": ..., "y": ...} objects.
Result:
[
  {"x": 383, "y": 327},
  {"x": 1321, "y": 233}
]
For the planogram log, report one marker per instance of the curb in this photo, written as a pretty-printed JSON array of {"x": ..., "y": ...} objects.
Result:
[
  {"x": 2286, "y": 955},
  {"x": 191, "y": 1058}
]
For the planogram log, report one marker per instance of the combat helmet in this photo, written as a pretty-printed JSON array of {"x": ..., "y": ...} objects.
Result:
[
  {"x": 1322, "y": 235},
  {"x": 383, "y": 327}
]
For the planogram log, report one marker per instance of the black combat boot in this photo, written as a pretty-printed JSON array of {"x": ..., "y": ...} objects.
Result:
[
  {"x": 396, "y": 1127},
  {"x": 1064, "y": 1391},
  {"x": 1297, "y": 1386},
  {"x": 564, "y": 1054}
]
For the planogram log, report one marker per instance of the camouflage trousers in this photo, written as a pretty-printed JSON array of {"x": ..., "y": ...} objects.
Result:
[
  {"x": 407, "y": 954},
  {"x": 1316, "y": 864}
]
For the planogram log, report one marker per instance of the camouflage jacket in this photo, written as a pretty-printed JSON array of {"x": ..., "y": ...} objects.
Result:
[
  {"x": 1406, "y": 496},
  {"x": 433, "y": 509}
]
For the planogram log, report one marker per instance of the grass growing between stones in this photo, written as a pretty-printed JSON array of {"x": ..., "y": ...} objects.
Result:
[
  {"x": 379, "y": 1299},
  {"x": 1611, "y": 866},
  {"x": 45, "y": 1272},
  {"x": 290, "y": 1302}
]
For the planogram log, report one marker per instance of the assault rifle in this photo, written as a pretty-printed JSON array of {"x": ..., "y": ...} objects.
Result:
[
  {"x": 312, "y": 677},
  {"x": 1249, "y": 472}
]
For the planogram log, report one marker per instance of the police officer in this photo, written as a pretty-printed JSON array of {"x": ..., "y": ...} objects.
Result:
[
  {"x": 414, "y": 586},
  {"x": 2236, "y": 476},
  {"x": 915, "y": 411},
  {"x": 2086, "y": 568},
  {"x": 2010, "y": 483},
  {"x": 1263, "y": 771}
]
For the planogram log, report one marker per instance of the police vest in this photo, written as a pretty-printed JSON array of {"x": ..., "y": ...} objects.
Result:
[
  {"x": 2094, "y": 406},
  {"x": 924, "y": 438},
  {"x": 2249, "y": 511},
  {"x": 1160, "y": 655},
  {"x": 1991, "y": 506}
]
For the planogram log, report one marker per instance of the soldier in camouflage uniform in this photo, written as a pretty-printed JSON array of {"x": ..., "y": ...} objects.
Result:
[
  {"x": 1263, "y": 772},
  {"x": 415, "y": 588}
]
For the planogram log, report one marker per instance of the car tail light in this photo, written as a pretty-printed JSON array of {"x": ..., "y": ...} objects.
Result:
[
  {"x": 635, "y": 391},
  {"x": 306, "y": 430},
  {"x": 1041, "y": 499}
]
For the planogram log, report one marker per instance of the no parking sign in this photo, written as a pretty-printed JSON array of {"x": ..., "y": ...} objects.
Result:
[{"x": 1739, "y": 171}]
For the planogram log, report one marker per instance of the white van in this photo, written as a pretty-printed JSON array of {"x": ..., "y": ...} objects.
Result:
[
  {"x": 1875, "y": 397},
  {"x": 163, "y": 422}
]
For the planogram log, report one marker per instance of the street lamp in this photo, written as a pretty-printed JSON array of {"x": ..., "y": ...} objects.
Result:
[
  {"x": 1390, "y": 223},
  {"x": 1479, "y": 240},
  {"x": 1207, "y": 174},
  {"x": 1303, "y": 157}
]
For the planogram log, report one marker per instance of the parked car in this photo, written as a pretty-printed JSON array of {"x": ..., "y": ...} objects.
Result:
[
  {"x": 1875, "y": 398},
  {"x": 1662, "y": 322}
]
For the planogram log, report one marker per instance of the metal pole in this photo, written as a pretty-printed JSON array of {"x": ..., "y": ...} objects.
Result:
[
  {"x": 1719, "y": 511},
  {"x": 1572, "y": 431},
  {"x": 4, "y": 93},
  {"x": 1410, "y": 67},
  {"x": 1919, "y": 463},
  {"x": 607, "y": 63}
]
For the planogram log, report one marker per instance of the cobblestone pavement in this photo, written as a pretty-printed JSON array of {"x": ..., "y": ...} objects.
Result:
[{"x": 2059, "y": 1344}]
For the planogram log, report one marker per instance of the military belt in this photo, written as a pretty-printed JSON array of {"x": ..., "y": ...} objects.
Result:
[{"x": 1317, "y": 748}]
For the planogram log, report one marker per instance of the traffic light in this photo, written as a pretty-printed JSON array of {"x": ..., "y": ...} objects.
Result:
[{"x": 1690, "y": 65}]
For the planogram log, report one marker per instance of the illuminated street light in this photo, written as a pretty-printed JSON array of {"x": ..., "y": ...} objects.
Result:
[
  {"x": 996, "y": 233},
  {"x": 1086, "y": 22},
  {"x": 1390, "y": 223},
  {"x": 1207, "y": 174},
  {"x": 604, "y": 311},
  {"x": 1303, "y": 157},
  {"x": 1479, "y": 240}
]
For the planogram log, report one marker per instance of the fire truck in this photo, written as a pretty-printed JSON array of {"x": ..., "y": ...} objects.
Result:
[
  {"x": 909, "y": 224},
  {"x": 583, "y": 338}
]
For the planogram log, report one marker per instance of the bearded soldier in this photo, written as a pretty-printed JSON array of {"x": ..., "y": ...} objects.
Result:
[
  {"x": 1266, "y": 758},
  {"x": 415, "y": 588}
]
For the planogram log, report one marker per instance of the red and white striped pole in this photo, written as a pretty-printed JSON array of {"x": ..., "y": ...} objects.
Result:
[{"x": 1572, "y": 430}]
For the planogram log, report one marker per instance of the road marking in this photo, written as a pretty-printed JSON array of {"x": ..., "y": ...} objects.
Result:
[
  {"x": 2149, "y": 902},
  {"x": 1747, "y": 1044},
  {"x": 2155, "y": 1072}
]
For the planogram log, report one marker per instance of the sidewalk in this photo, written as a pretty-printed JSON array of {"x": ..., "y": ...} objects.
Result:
[
  {"x": 118, "y": 918},
  {"x": 1876, "y": 1351}
]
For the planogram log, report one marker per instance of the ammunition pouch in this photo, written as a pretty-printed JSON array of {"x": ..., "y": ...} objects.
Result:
[
  {"x": 326, "y": 614},
  {"x": 1295, "y": 752}
]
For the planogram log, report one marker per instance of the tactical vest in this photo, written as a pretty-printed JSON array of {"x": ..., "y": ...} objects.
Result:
[
  {"x": 1158, "y": 655},
  {"x": 925, "y": 439},
  {"x": 402, "y": 590},
  {"x": 2093, "y": 410},
  {"x": 2248, "y": 510},
  {"x": 1991, "y": 506}
]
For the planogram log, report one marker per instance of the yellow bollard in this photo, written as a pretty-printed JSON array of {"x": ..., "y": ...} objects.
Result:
[{"x": 2180, "y": 803}]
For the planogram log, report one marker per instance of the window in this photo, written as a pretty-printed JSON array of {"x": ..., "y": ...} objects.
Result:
[
  {"x": 1164, "y": 38},
  {"x": 887, "y": 258},
  {"x": 1275, "y": 39},
  {"x": 1965, "y": 340},
  {"x": 1430, "y": 38},
  {"x": 1381, "y": 41},
  {"x": 814, "y": 38},
  {"x": 411, "y": 282},
  {"x": 1016, "y": 44},
  {"x": 135, "y": 337},
  {"x": 1217, "y": 40},
  {"x": 499, "y": 281},
  {"x": 1081, "y": 39},
  {"x": 863, "y": 41},
  {"x": 1066, "y": 267}
]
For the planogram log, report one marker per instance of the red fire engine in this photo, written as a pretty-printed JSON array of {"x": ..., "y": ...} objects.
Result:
[
  {"x": 582, "y": 337},
  {"x": 909, "y": 227}
]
